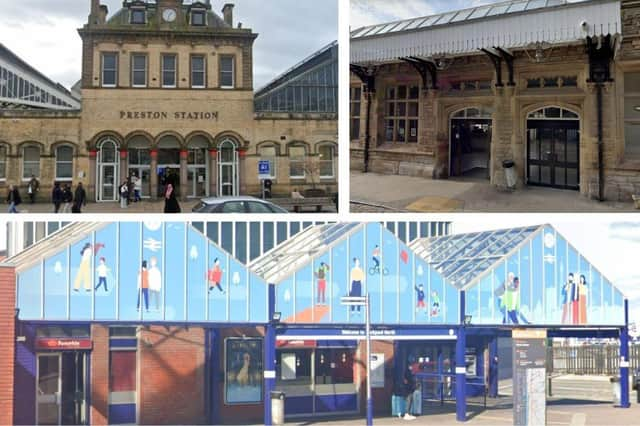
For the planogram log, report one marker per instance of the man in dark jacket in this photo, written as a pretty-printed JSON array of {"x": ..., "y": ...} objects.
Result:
[
  {"x": 79, "y": 199},
  {"x": 33, "y": 188},
  {"x": 13, "y": 198},
  {"x": 56, "y": 196}
]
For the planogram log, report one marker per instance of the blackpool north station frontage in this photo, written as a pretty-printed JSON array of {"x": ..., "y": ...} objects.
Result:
[
  {"x": 547, "y": 88},
  {"x": 154, "y": 322},
  {"x": 167, "y": 94}
]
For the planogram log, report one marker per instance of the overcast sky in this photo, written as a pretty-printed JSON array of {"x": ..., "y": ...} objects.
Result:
[
  {"x": 44, "y": 32},
  {"x": 369, "y": 12}
]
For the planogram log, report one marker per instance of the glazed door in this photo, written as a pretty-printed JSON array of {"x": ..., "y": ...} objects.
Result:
[
  {"x": 73, "y": 389},
  {"x": 553, "y": 153},
  {"x": 107, "y": 182},
  {"x": 227, "y": 172},
  {"x": 197, "y": 182},
  {"x": 49, "y": 389}
]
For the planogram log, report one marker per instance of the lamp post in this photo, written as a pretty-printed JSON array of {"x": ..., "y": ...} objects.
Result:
[{"x": 364, "y": 301}]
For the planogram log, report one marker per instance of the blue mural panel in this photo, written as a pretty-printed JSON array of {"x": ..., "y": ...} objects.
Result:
[
  {"x": 284, "y": 299},
  {"x": 30, "y": 293},
  {"x": 304, "y": 305},
  {"x": 373, "y": 234},
  {"x": 128, "y": 271},
  {"x": 217, "y": 274},
  {"x": 407, "y": 294},
  {"x": 357, "y": 275},
  {"x": 526, "y": 285},
  {"x": 258, "y": 299},
  {"x": 537, "y": 278},
  {"x": 323, "y": 277},
  {"x": 423, "y": 308},
  {"x": 238, "y": 291},
  {"x": 152, "y": 269},
  {"x": 487, "y": 303},
  {"x": 55, "y": 286},
  {"x": 175, "y": 271},
  {"x": 340, "y": 281},
  {"x": 196, "y": 276},
  {"x": 390, "y": 279},
  {"x": 81, "y": 299},
  {"x": 436, "y": 293},
  {"x": 595, "y": 297},
  {"x": 105, "y": 273}
]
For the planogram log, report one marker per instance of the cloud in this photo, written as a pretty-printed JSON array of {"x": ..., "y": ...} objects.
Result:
[
  {"x": 44, "y": 33},
  {"x": 626, "y": 231}
]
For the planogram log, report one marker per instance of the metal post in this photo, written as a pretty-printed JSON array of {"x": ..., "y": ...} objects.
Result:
[
  {"x": 624, "y": 359},
  {"x": 269, "y": 357},
  {"x": 368, "y": 332},
  {"x": 461, "y": 376},
  {"x": 493, "y": 368}
]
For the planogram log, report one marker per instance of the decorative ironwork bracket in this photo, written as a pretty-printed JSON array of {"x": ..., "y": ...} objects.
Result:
[
  {"x": 425, "y": 68},
  {"x": 497, "y": 64}
]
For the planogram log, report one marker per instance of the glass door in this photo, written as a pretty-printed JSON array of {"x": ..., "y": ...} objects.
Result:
[
  {"x": 553, "y": 153},
  {"x": 107, "y": 183},
  {"x": 227, "y": 169},
  {"x": 48, "y": 391},
  {"x": 73, "y": 400},
  {"x": 197, "y": 182}
]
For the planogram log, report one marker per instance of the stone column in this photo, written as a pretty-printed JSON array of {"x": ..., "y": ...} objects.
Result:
[
  {"x": 213, "y": 172},
  {"x": 502, "y": 137},
  {"x": 92, "y": 187},
  {"x": 242, "y": 157},
  {"x": 184, "y": 174},
  {"x": 124, "y": 166},
  {"x": 154, "y": 174}
]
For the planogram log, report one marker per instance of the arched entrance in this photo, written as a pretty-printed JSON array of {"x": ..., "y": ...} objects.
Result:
[
  {"x": 108, "y": 173},
  {"x": 553, "y": 148},
  {"x": 198, "y": 167},
  {"x": 140, "y": 162},
  {"x": 470, "y": 143},
  {"x": 168, "y": 169},
  {"x": 228, "y": 168}
]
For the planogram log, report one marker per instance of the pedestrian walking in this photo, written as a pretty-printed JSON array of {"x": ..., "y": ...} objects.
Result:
[
  {"x": 79, "y": 199},
  {"x": 56, "y": 196},
  {"x": 124, "y": 195},
  {"x": 33, "y": 188},
  {"x": 137, "y": 189},
  {"x": 170, "y": 201},
  {"x": 130, "y": 188},
  {"x": 67, "y": 198},
  {"x": 13, "y": 198}
]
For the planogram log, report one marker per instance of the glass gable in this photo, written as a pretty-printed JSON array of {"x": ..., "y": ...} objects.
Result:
[{"x": 136, "y": 271}]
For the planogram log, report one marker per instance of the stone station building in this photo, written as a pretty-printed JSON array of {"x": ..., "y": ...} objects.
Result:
[
  {"x": 551, "y": 85},
  {"x": 167, "y": 93}
]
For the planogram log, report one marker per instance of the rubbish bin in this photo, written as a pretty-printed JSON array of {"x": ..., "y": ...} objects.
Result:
[
  {"x": 510, "y": 173},
  {"x": 636, "y": 384},
  {"x": 277, "y": 407},
  {"x": 615, "y": 387}
]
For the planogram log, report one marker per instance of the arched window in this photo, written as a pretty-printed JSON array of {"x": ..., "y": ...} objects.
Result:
[
  {"x": 473, "y": 112},
  {"x": 553, "y": 113},
  {"x": 107, "y": 151},
  {"x": 326, "y": 161},
  {"x": 269, "y": 153},
  {"x": 64, "y": 162},
  {"x": 30, "y": 161},
  {"x": 297, "y": 159},
  {"x": 3, "y": 162}
]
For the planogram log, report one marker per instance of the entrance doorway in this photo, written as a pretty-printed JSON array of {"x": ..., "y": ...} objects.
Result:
[
  {"x": 227, "y": 168},
  {"x": 198, "y": 167},
  {"x": 553, "y": 148},
  {"x": 61, "y": 388},
  {"x": 108, "y": 172},
  {"x": 470, "y": 143}
]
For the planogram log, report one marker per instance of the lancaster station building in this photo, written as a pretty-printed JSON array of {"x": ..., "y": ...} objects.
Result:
[
  {"x": 167, "y": 91},
  {"x": 550, "y": 85},
  {"x": 156, "y": 323}
]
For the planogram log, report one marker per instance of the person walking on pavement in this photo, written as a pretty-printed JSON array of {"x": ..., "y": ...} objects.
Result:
[
  {"x": 170, "y": 201},
  {"x": 67, "y": 198},
  {"x": 130, "y": 187},
  {"x": 33, "y": 188},
  {"x": 79, "y": 199},
  {"x": 56, "y": 196},
  {"x": 13, "y": 198},
  {"x": 124, "y": 194},
  {"x": 137, "y": 189}
]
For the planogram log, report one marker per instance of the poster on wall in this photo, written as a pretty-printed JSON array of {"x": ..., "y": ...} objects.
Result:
[
  {"x": 529, "y": 384},
  {"x": 243, "y": 371},
  {"x": 377, "y": 370}
]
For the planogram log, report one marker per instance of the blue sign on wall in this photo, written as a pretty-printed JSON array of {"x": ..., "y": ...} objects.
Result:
[{"x": 264, "y": 169}]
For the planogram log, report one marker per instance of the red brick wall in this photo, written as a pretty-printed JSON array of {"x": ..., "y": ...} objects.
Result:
[
  {"x": 7, "y": 343},
  {"x": 381, "y": 396},
  {"x": 100, "y": 375},
  {"x": 237, "y": 413},
  {"x": 171, "y": 376}
]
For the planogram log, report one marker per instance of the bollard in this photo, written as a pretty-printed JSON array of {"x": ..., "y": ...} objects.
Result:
[{"x": 277, "y": 408}]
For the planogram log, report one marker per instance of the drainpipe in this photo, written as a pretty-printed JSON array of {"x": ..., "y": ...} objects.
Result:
[
  {"x": 600, "y": 144},
  {"x": 367, "y": 133}
]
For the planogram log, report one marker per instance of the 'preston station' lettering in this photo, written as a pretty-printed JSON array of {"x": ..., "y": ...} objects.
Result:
[{"x": 161, "y": 115}]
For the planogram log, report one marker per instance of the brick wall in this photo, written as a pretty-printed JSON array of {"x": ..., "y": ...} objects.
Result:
[
  {"x": 171, "y": 376},
  {"x": 7, "y": 343},
  {"x": 381, "y": 396},
  {"x": 100, "y": 375}
]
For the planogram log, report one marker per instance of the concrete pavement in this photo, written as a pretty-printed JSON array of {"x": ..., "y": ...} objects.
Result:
[{"x": 407, "y": 193}]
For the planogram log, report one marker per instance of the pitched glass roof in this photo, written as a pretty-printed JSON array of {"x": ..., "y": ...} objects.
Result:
[
  {"x": 492, "y": 10},
  {"x": 461, "y": 258},
  {"x": 285, "y": 259}
]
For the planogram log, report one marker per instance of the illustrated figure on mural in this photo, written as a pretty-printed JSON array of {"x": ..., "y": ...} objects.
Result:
[
  {"x": 511, "y": 301},
  {"x": 570, "y": 301},
  {"x": 435, "y": 304},
  {"x": 582, "y": 295},
  {"x": 377, "y": 268},
  {"x": 143, "y": 286},
  {"x": 499, "y": 294},
  {"x": 155, "y": 282},
  {"x": 103, "y": 271},
  {"x": 321, "y": 275},
  {"x": 420, "y": 296},
  {"x": 356, "y": 278},
  {"x": 83, "y": 276},
  {"x": 214, "y": 276}
]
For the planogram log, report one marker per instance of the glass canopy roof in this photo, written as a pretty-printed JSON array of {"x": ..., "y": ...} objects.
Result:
[
  {"x": 285, "y": 259},
  {"x": 462, "y": 258},
  {"x": 493, "y": 10}
]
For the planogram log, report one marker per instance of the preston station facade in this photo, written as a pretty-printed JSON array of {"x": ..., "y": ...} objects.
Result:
[
  {"x": 167, "y": 90},
  {"x": 550, "y": 85}
]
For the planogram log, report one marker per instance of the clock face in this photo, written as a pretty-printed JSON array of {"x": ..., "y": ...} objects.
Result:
[{"x": 169, "y": 15}]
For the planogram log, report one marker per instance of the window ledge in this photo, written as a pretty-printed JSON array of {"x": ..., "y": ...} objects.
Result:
[
  {"x": 409, "y": 148},
  {"x": 632, "y": 164}
]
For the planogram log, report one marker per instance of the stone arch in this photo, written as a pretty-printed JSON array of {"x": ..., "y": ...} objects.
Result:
[
  {"x": 8, "y": 147},
  {"x": 54, "y": 146},
  {"x": 26, "y": 143},
  {"x": 117, "y": 137},
  {"x": 269, "y": 143},
  {"x": 241, "y": 142},
  {"x": 296, "y": 143},
  {"x": 178, "y": 136},
  {"x": 199, "y": 133},
  {"x": 135, "y": 134},
  {"x": 527, "y": 110},
  {"x": 319, "y": 144}
]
